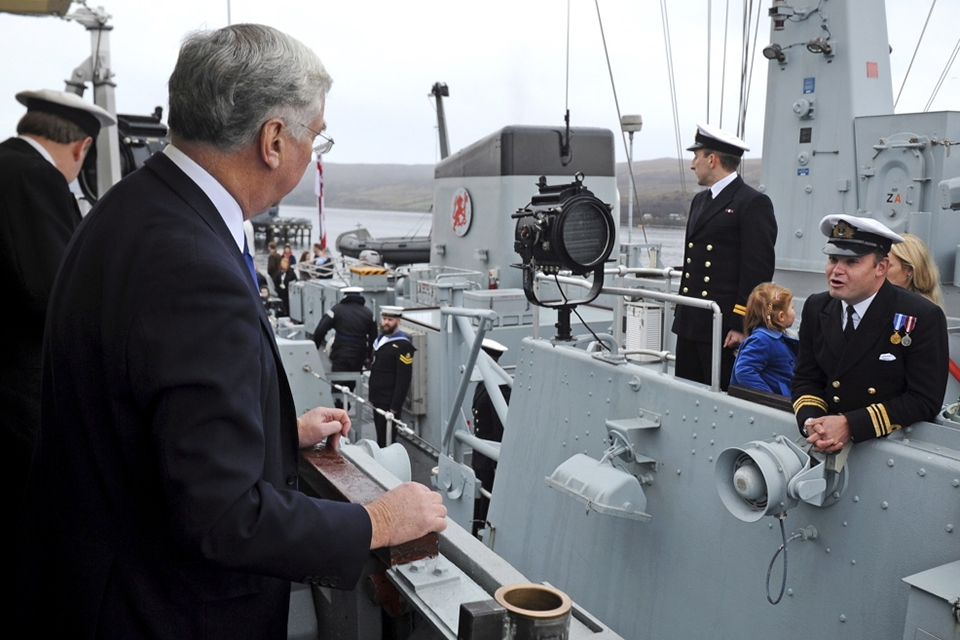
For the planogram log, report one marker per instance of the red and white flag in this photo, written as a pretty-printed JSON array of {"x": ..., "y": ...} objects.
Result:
[{"x": 319, "y": 192}]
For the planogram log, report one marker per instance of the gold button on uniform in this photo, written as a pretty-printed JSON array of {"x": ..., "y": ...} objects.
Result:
[
  {"x": 871, "y": 391},
  {"x": 704, "y": 294},
  {"x": 707, "y": 263},
  {"x": 690, "y": 245},
  {"x": 836, "y": 400},
  {"x": 836, "y": 384},
  {"x": 686, "y": 275},
  {"x": 685, "y": 290},
  {"x": 709, "y": 247},
  {"x": 706, "y": 278},
  {"x": 688, "y": 260}
]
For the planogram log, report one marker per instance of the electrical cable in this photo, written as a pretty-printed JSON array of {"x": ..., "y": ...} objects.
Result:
[
  {"x": 783, "y": 548},
  {"x": 577, "y": 313}
]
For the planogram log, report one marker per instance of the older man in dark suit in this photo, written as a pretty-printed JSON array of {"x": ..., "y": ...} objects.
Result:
[
  {"x": 729, "y": 250},
  {"x": 873, "y": 356},
  {"x": 38, "y": 215},
  {"x": 163, "y": 499}
]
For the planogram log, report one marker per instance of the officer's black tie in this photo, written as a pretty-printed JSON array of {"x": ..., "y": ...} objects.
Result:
[
  {"x": 704, "y": 203},
  {"x": 849, "y": 329}
]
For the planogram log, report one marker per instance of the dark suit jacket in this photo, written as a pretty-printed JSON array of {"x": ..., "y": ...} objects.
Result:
[
  {"x": 38, "y": 215},
  {"x": 728, "y": 251},
  {"x": 878, "y": 385},
  {"x": 163, "y": 499}
]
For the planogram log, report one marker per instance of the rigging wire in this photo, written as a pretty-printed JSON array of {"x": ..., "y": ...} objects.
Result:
[
  {"x": 623, "y": 135},
  {"x": 943, "y": 76},
  {"x": 566, "y": 91},
  {"x": 723, "y": 71},
  {"x": 915, "y": 50},
  {"x": 673, "y": 95},
  {"x": 709, "y": 40},
  {"x": 750, "y": 56}
]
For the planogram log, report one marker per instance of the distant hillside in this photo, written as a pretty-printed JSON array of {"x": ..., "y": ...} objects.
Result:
[
  {"x": 393, "y": 187},
  {"x": 397, "y": 187}
]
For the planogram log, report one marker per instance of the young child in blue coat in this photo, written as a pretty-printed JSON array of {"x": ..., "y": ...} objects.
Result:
[{"x": 766, "y": 358}]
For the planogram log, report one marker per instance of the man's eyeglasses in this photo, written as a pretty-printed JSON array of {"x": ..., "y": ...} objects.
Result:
[{"x": 324, "y": 145}]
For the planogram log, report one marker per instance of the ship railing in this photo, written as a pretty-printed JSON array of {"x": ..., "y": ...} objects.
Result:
[
  {"x": 660, "y": 296},
  {"x": 459, "y": 328}
]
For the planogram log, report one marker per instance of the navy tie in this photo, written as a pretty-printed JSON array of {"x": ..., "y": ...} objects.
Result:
[
  {"x": 250, "y": 265},
  {"x": 849, "y": 329}
]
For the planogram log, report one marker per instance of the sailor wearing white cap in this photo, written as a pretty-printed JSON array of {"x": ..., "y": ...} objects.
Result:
[
  {"x": 873, "y": 356},
  {"x": 39, "y": 216},
  {"x": 355, "y": 330},
  {"x": 391, "y": 370},
  {"x": 728, "y": 250}
]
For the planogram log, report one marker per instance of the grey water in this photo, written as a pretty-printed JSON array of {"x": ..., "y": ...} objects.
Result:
[{"x": 405, "y": 223}]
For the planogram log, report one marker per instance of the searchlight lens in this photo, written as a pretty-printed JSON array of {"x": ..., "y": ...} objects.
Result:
[{"x": 585, "y": 233}]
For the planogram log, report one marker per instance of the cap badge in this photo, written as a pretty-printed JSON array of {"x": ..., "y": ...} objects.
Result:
[{"x": 843, "y": 230}]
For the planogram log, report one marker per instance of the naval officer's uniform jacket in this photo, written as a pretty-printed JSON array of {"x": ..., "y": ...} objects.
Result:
[
  {"x": 879, "y": 382},
  {"x": 729, "y": 250}
]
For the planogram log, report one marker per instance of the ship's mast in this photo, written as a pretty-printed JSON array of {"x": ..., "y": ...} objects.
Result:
[{"x": 829, "y": 63}]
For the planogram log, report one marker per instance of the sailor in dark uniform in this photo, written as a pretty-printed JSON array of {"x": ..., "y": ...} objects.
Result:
[
  {"x": 355, "y": 332},
  {"x": 728, "y": 250},
  {"x": 39, "y": 215},
  {"x": 873, "y": 356},
  {"x": 486, "y": 425},
  {"x": 391, "y": 370}
]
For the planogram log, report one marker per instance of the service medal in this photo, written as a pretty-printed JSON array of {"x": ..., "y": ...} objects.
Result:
[
  {"x": 895, "y": 338},
  {"x": 908, "y": 326}
]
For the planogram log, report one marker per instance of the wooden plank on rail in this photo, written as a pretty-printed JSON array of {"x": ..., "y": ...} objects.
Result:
[{"x": 326, "y": 474}]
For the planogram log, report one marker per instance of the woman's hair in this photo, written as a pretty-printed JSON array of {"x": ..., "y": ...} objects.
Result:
[
  {"x": 765, "y": 301},
  {"x": 920, "y": 269}
]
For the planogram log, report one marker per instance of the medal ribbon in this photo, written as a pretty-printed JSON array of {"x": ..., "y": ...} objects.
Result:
[
  {"x": 910, "y": 324},
  {"x": 898, "y": 320}
]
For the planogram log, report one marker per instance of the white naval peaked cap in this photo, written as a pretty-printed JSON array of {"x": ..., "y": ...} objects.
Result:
[
  {"x": 391, "y": 312},
  {"x": 348, "y": 290},
  {"x": 716, "y": 139},
  {"x": 68, "y": 106},
  {"x": 492, "y": 345},
  {"x": 855, "y": 236}
]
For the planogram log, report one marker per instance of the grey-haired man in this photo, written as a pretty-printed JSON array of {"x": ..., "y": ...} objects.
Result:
[{"x": 165, "y": 402}]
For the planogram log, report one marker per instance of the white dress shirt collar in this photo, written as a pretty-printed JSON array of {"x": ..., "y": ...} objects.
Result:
[
  {"x": 39, "y": 147},
  {"x": 720, "y": 184},
  {"x": 859, "y": 310},
  {"x": 226, "y": 206}
]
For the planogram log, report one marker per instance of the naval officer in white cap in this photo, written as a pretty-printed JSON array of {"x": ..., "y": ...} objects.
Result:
[
  {"x": 873, "y": 356},
  {"x": 728, "y": 250},
  {"x": 39, "y": 216}
]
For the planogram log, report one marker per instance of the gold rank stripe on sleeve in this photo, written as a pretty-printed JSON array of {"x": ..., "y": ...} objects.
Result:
[
  {"x": 407, "y": 359},
  {"x": 809, "y": 401},
  {"x": 880, "y": 420},
  {"x": 739, "y": 309}
]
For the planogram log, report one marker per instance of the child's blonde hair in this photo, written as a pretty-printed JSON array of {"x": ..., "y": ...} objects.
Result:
[{"x": 764, "y": 306}]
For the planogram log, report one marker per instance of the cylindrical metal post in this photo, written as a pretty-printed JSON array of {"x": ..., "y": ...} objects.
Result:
[{"x": 535, "y": 612}]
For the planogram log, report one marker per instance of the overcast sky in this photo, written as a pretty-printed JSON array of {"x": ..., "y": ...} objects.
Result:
[{"x": 504, "y": 62}]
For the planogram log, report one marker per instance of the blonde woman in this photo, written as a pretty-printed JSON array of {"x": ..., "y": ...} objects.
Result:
[{"x": 911, "y": 267}]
